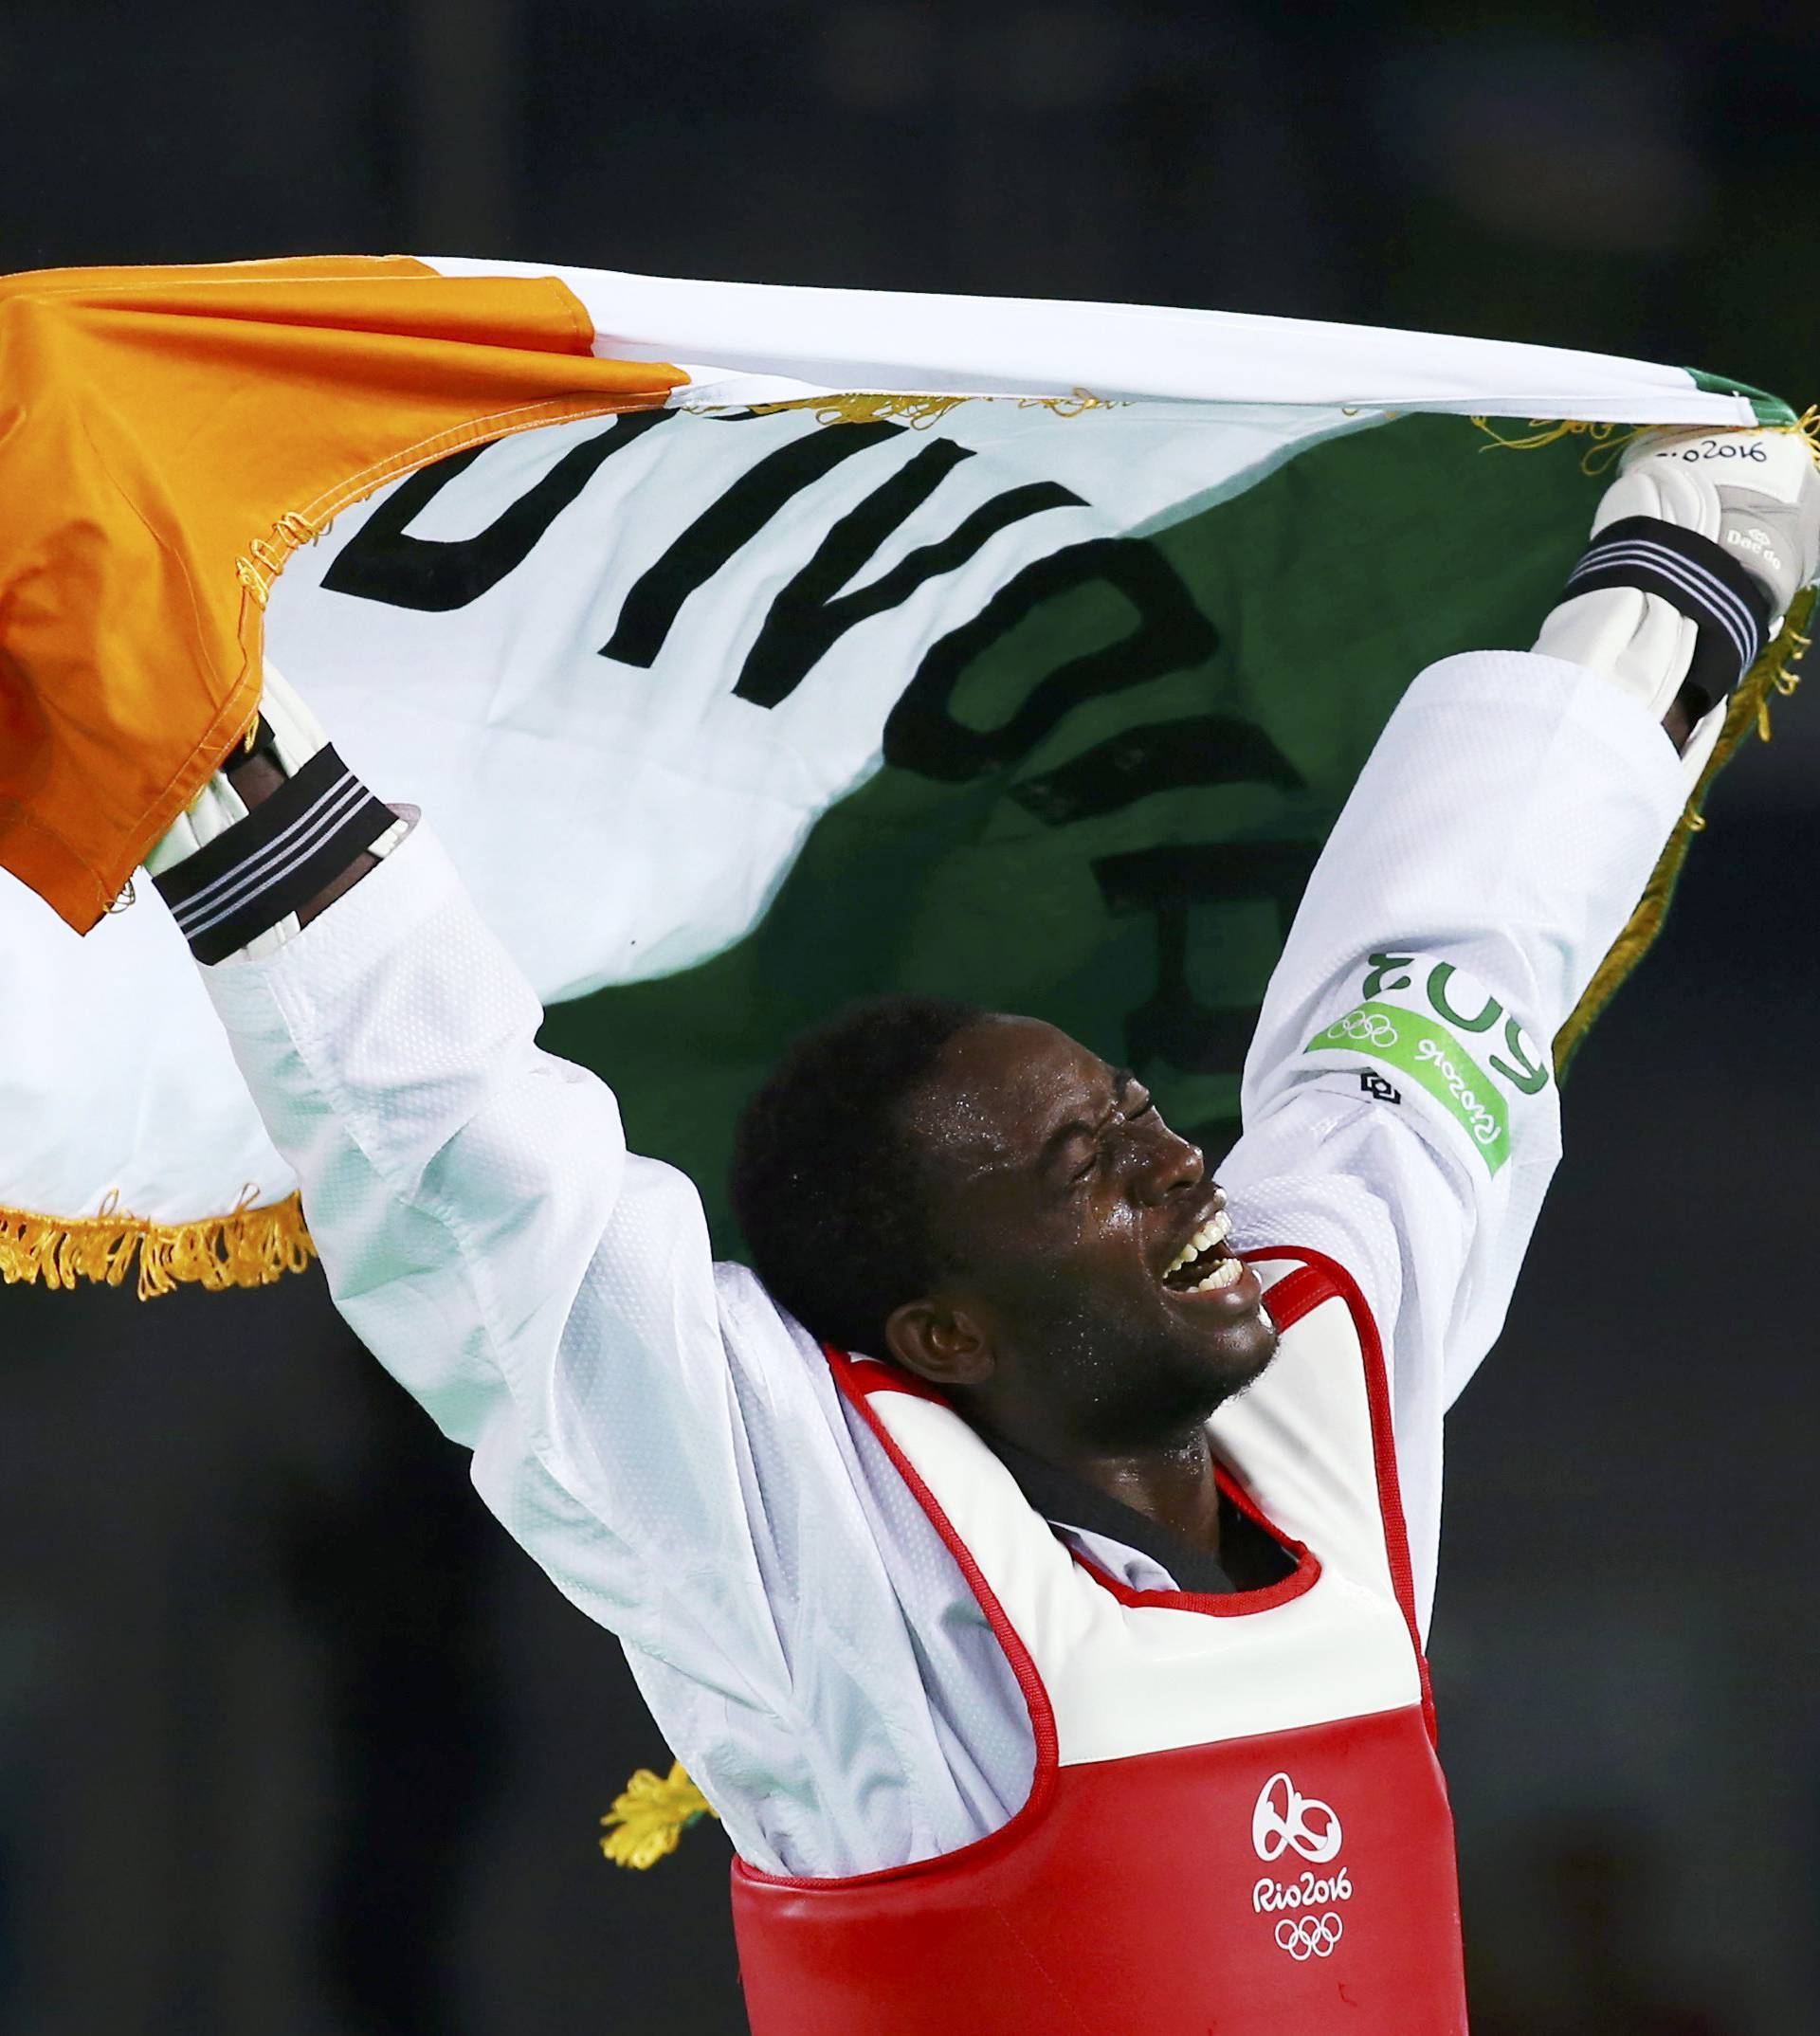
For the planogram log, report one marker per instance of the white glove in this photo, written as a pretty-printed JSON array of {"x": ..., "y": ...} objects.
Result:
[{"x": 1754, "y": 493}]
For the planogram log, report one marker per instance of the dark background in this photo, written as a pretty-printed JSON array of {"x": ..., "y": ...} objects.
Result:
[{"x": 292, "y": 1741}]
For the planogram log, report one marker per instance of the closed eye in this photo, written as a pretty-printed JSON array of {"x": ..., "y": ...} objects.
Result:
[{"x": 1091, "y": 1165}]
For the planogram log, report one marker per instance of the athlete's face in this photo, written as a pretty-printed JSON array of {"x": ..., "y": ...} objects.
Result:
[{"x": 1061, "y": 1204}]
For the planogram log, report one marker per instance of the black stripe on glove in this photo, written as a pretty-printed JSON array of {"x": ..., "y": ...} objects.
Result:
[{"x": 1693, "y": 574}]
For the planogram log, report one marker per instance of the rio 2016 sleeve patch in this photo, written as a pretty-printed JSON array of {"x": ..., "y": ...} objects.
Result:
[{"x": 1420, "y": 1035}]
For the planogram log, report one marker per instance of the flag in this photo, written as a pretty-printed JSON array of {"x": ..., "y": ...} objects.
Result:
[{"x": 752, "y": 648}]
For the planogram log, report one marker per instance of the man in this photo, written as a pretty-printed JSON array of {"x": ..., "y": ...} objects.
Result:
[{"x": 1035, "y": 1583}]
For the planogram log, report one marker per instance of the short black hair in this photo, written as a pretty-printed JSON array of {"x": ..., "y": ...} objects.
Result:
[{"x": 826, "y": 1182}]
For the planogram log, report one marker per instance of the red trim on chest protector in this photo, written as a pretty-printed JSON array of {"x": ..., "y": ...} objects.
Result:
[
  {"x": 1211, "y": 1605},
  {"x": 1295, "y": 1293},
  {"x": 850, "y": 1377},
  {"x": 1318, "y": 1278},
  {"x": 858, "y": 1378}
]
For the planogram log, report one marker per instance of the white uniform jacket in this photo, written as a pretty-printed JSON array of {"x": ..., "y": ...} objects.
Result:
[{"x": 671, "y": 1448}]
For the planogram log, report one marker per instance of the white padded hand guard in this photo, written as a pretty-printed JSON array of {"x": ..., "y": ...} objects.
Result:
[{"x": 1754, "y": 493}]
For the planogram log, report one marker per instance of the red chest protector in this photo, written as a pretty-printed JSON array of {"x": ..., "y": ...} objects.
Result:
[{"x": 1237, "y": 1825}]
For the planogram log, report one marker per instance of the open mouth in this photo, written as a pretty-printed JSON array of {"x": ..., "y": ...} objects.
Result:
[{"x": 1204, "y": 1266}]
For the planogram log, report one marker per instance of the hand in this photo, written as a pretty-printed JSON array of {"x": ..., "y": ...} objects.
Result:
[
  {"x": 1755, "y": 493},
  {"x": 294, "y": 736},
  {"x": 320, "y": 844},
  {"x": 1665, "y": 618}
]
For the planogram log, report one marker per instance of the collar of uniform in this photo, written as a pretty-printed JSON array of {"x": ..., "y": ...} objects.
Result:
[{"x": 1061, "y": 1498}]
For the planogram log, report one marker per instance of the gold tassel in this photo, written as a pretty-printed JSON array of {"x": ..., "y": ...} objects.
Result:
[
  {"x": 1073, "y": 405},
  {"x": 255, "y": 583},
  {"x": 1807, "y": 425},
  {"x": 1747, "y": 711},
  {"x": 264, "y": 559},
  {"x": 1608, "y": 440},
  {"x": 247, "y": 1248},
  {"x": 919, "y": 412},
  {"x": 649, "y": 1819}
]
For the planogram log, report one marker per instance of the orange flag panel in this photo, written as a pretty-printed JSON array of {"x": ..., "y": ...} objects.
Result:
[{"x": 168, "y": 436}]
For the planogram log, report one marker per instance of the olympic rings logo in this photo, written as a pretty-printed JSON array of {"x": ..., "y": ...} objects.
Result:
[
  {"x": 1370, "y": 1027},
  {"x": 1310, "y": 1936},
  {"x": 1301, "y": 1821}
]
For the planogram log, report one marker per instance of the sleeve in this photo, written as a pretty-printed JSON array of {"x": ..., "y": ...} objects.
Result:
[
  {"x": 1399, "y": 1103},
  {"x": 547, "y": 1296}
]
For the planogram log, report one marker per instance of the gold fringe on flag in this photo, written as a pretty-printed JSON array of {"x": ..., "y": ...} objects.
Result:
[
  {"x": 247, "y": 1248},
  {"x": 1808, "y": 424},
  {"x": 264, "y": 559},
  {"x": 1608, "y": 440},
  {"x": 1749, "y": 712},
  {"x": 919, "y": 412},
  {"x": 649, "y": 1817}
]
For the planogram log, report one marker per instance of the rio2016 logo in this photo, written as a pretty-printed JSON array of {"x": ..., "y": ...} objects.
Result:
[
  {"x": 1284, "y": 1820},
  {"x": 1481, "y": 1120}
]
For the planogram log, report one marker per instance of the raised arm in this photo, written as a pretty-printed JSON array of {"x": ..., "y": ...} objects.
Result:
[
  {"x": 1400, "y": 1105},
  {"x": 546, "y": 1295}
]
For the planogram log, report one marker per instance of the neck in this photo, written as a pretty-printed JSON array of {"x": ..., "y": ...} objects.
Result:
[{"x": 1171, "y": 1483}]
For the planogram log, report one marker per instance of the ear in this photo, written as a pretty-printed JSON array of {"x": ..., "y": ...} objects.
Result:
[{"x": 947, "y": 1345}]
